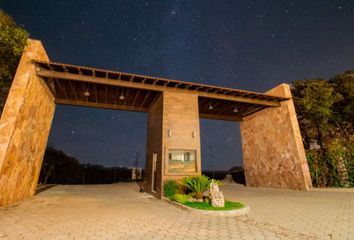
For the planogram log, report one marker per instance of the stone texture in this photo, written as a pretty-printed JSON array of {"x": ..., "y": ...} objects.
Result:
[
  {"x": 24, "y": 128},
  {"x": 181, "y": 115},
  {"x": 119, "y": 211},
  {"x": 273, "y": 152},
  {"x": 216, "y": 197},
  {"x": 178, "y": 112}
]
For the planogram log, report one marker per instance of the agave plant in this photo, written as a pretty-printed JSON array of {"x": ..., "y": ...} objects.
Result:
[{"x": 197, "y": 185}]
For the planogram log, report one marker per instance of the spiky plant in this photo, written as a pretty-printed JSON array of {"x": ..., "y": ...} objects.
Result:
[{"x": 197, "y": 185}]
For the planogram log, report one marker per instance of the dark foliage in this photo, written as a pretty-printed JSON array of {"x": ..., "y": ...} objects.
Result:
[
  {"x": 170, "y": 188},
  {"x": 325, "y": 110},
  {"x": 217, "y": 175},
  {"x": 12, "y": 42},
  {"x": 59, "y": 168}
]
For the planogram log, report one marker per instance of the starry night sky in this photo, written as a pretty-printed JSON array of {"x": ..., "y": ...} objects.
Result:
[{"x": 250, "y": 45}]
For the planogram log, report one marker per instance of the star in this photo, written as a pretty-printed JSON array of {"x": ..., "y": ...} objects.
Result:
[{"x": 251, "y": 46}]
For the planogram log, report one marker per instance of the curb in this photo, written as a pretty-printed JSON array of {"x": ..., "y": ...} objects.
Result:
[{"x": 235, "y": 213}]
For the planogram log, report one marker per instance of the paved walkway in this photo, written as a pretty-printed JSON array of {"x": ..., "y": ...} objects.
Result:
[{"x": 119, "y": 211}]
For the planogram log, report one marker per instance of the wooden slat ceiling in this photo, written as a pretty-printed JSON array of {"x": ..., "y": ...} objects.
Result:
[{"x": 84, "y": 86}]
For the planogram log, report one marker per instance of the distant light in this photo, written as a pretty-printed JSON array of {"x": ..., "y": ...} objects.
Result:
[
  {"x": 235, "y": 110},
  {"x": 121, "y": 97},
  {"x": 210, "y": 107},
  {"x": 86, "y": 93}
]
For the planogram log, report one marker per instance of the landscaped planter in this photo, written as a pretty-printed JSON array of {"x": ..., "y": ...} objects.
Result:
[{"x": 237, "y": 212}]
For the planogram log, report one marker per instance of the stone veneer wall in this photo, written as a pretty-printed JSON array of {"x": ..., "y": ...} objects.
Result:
[
  {"x": 178, "y": 112},
  {"x": 181, "y": 115},
  {"x": 273, "y": 152},
  {"x": 24, "y": 128},
  {"x": 154, "y": 145}
]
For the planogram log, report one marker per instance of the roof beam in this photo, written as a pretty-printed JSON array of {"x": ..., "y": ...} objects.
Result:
[
  {"x": 73, "y": 89},
  {"x": 99, "y": 105},
  {"x": 125, "y": 96},
  {"x": 154, "y": 100},
  {"x": 220, "y": 117},
  {"x": 106, "y": 94},
  {"x": 116, "y": 95},
  {"x": 62, "y": 88},
  {"x": 136, "y": 97},
  {"x": 95, "y": 92},
  {"x": 153, "y": 87},
  {"x": 251, "y": 111},
  {"x": 51, "y": 86},
  {"x": 145, "y": 98}
]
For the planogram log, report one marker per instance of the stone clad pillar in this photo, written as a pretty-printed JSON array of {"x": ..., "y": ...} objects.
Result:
[
  {"x": 24, "y": 128},
  {"x": 273, "y": 152},
  {"x": 154, "y": 146},
  {"x": 173, "y": 133}
]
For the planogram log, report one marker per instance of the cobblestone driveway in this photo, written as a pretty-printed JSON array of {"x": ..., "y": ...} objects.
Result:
[{"x": 119, "y": 211}]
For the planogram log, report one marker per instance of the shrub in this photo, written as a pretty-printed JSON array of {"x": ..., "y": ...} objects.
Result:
[
  {"x": 12, "y": 42},
  {"x": 170, "y": 188},
  {"x": 349, "y": 163},
  {"x": 197, "y": 185},
  {"x": 181, "y": 198}
]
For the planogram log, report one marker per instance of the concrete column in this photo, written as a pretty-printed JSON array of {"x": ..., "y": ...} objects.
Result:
[
  {"x": 24, "y": 128},
  {"x": 173, "y": 124},
  {"x": 273, "y": 152}
]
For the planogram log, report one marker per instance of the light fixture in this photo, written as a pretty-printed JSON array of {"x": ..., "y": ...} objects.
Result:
[
  {"x": 87, "y": 93},
  {"x": 235, "y": 110},
  {"x": 194, "y": 134},
  {"x": 210, "y": 107},
  {"x": 121, "y": 97},
  {"x": 169, "y": 133}
]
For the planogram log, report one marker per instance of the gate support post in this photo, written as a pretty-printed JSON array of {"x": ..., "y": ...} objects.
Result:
[
  {"x": 273, "y": 152},
  {"x": 24, "y": 128},
  {"x": 173, "y": 135}
]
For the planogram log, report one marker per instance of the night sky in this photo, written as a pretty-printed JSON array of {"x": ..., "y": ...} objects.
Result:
[{"x": 250, "y": 45}]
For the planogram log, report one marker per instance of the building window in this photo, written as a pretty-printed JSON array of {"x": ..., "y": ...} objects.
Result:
[{"x": 182, "y": 161}]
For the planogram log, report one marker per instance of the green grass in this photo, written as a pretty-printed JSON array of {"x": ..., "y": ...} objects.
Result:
[{"x": 207, "y": 206}]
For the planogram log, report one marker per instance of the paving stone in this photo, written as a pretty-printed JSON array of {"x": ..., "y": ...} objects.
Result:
[{"x": 119, "y": 211}]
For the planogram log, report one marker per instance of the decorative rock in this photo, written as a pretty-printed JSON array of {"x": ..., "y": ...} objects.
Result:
[{"x": 216, "y": 197}]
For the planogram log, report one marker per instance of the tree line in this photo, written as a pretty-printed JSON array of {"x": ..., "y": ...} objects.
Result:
[
  {"x": 325, "y": 111},
  {"x": 59, "y": 168}
]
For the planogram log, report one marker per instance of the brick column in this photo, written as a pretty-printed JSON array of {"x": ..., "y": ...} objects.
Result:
[
  {"x": 273, "y": 152},
  {"x": 24, "y": 128}
]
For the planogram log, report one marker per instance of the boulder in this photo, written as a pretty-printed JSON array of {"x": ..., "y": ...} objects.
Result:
[{"x": 216, "y": 197}]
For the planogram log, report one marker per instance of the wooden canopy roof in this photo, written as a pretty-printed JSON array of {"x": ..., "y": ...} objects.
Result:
[{"x": 84, "y": 86}]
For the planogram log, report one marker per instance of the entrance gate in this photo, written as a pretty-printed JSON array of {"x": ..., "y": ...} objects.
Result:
[{"x": 273, "y": 153}]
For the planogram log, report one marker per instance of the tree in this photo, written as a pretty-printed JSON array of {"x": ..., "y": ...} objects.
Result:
[
  {"x": 59, "y": 168},
  {"x": 314, "y": 100},
  {"x": 325, "y": 111},
  {"x": 12, "y": 42},
  {"x": 344, "y": 84}
]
